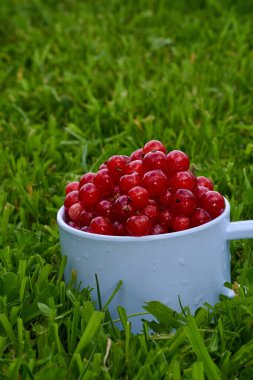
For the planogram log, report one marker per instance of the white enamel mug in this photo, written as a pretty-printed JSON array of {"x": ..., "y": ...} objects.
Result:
[{"x": 193, "y": 264}]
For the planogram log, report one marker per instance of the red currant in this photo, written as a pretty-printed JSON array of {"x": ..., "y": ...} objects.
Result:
[
  {"x": 182, "y": 180},
  {"x": 158, "y": 229},
  {"x": 155, "y": 182},
  {"x": 199, "y": 191},
  {"x": 213, "y": 203},
  {"x": 180, "y": 223},
  {"x": 116, "y": 165},
  {"x": 199, "y": 217},
  {"x": 177, "y": 161},
  {"x": 154, "y": 145},
  {"x": 152, "y": 212},
  {"x": 123, "y": 208},
  {"x": 128, "y": 181},
  {"x": 139, "y": 197},
  {"x": 104, "y": 208},
  {"x": 85, "y": 218},
  {"x": 155, "y": 160},
  {"x": 86, "y": 178},
  {"x": 165, "y": 198},
  {"x": 71, "y": 186},
  {"x": 74, "y": 211},
  {"x": 119, "y": 229},
  {"x": 183, "y": 201},
  {"x": 104, "y": 182},
  {"x": 166, "y": 219},
  {"x": 135, "y": 166},
  {"x": 89, "y": 195},
  {"x": 206, "y": 182},
  {"x": 102, "y": 226},
  {"x": 71, "y": 198},
  {"x": 137, "y": 155},
  {"x": 138, "y": 225}
]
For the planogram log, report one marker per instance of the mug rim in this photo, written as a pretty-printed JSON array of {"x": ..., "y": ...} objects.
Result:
[{"x": 87, "y": 235}]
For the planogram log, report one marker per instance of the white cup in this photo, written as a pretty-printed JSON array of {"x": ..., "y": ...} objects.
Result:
[{"x": 193, "y": 264}]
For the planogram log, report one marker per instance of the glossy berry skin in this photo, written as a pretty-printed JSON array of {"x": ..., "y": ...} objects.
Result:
[
  {"x": 137, "y": 155},
  {"x": 138, "y": 225},
  {"x": 74, "y": 211},
  {"x": 102, "y": 226},
  {"x": 89, "y": 195},
  {"x": 154, "y": 145},
  {"x": 155, "y": 160},
  {"x": 182, "y": 180},
  {"x": 128, "y": 181},
  {"x": 166, "y": 219},
  {"x": 213, "y": 203},
  {"x": 71, "y": 186},
  {"x": 104, "y": 208},
  {"x": 139, "y": 197},
  {"x": 199, "y": 217},
  {"x": 103, "y": 180},
  {"x": 204, "y": 181},
  {"x": 86, "y": 178},
  {"x": 135, "y": 166},
  {"x": 119, "y": 229},
  {"x": 180, "y": 223},
  {"x": 116, "y": 165},
  {"x": 103, "y": 166},
  {"x": 152, "y": 212},
  {"x": 86, "y": 229},
  {"x": 71, "y": 198},
  {"x": 158, "y": 229},
  {"x": 85, "y": 218},
  {"x": 199, "y": 191},
  {"x": 155, "y": 182},
  {"x": 165, "y": 199},
  {"x": 183, "y": 202},
  {"x": 122, "y": 208},
  {"x": 177, "y": 161}
]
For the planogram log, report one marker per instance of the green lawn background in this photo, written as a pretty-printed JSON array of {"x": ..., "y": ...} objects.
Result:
[{"x": 80, "y": 81}]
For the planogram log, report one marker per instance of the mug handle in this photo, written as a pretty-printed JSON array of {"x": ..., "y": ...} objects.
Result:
[{"x": 240, "y": 230}]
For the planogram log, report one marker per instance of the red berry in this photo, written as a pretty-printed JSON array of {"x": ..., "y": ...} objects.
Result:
[
  {"x": 158, "y": 229},
  {"x": 155, "y": 182},
  {"x": 152, "y": 212},
  {"x": 85, "y": 218},
  {"x": 139, "y": 197},
  {"x": 71, "y": 186},
  {"x": 119, "y": 229},
  {"x": 165, "y": 198},
  {"x": 104, "y": 181},
  {"x": 135, "y": 166},
  {"x": 123, "y": 208},
  {"x": 180, "y": 223},
  {"x": 86, "y": 178},
  {"x": 213, "y": 203},
  {"x": 102, "y": 226},
  {"x": 89, "y": 195},
  {"x": 154, "y": 145},
  {"x": 74, "y": 225},
  {"x": 166, "y": 219},
  {"x": 74, "y": 211},
  {"x": 137, "y": 155},
  {"x": 183, "y": 201},
  {"x": 128, "y": 181},
  {"x": 116, "y": 165},
  {"x": 138, "y": 225},
  {"x": 103, "y": 166},
  {"x": 206, "y": 182},
  {"x": 155, "y": 160},
  {"x": 104, "y": 208},
  {"x": 182, "y": 180},
  {"x": 199, "y": 191},
  {"x": 86, "y": 229},
  {"x": 199, "y": 217},
  {"x": 71, "y": 198},
  {"x": 177, "y": 161}
]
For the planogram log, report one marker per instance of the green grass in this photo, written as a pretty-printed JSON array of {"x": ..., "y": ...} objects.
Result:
[{"x": 79, "y": 81}]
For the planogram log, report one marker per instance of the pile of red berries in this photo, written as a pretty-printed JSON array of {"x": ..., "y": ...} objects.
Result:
[{"x": 151, "y": 192}]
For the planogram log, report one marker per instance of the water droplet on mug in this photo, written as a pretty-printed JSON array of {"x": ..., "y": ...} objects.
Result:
[
  {"x": 197, "y": 299},
  {"x": 86, "y": 256},
  {"x": 78, "y": 259},
  {"x": 185, "y": 282}
]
